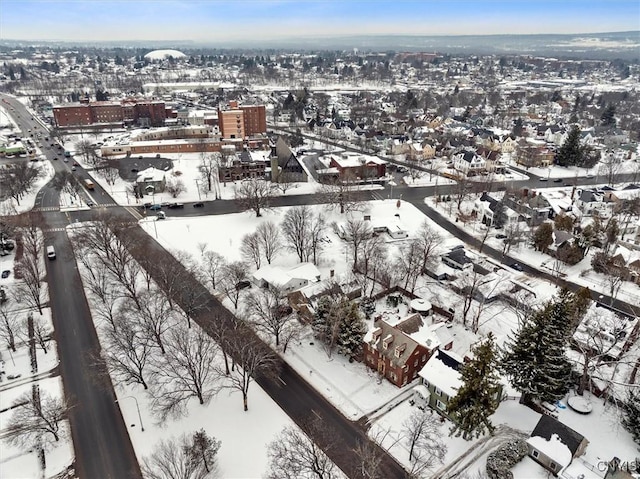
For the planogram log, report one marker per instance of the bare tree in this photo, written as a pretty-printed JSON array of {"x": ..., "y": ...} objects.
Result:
[
  {"x": 341, "y": 193},
  {"x": 284, "y": 181},
  {"x": 599, "y": 340},
  {"x": 295, "y": 454},
  {"x": 36, "y": 417},
  {"x": 408, "y": 264},
  {"x": 369, "y": 458},
  {"x": 10, "y": 326},
  {"x": 609, "y": 167},
  {"x": 269, "y": 310},
  {"x": 128, "y": 353},
  {"x": 251, "y": 249},
  {"x": 155, "y": 316},
  {"x": 209, "y": 169},
  {"x": 211, "y": 267},
  {"x": 233, "y": 274},
  {"x": 185, "y": 371},
  {"x": 175, "y": 459},
  {"x": 175, "y": 187},
  {"x": 317, "y": 236},
  {"x": 296, "y": 226},
  {"x": 252, "y": 358},
  {"x": 429, "y": 241},
  {"x": 254, "y": 194},
  {"x": 41, "y": 332},
  {"x": 269, "y": 239},
  {"x": 31, "y": 265},
  {"x": 514, "y": 235},
  {"x": 372, "y": 250},
  {"x": 356, "y": 232},
  {"x": 422, "y": 435},
  {"x": 16, "y": 182}
]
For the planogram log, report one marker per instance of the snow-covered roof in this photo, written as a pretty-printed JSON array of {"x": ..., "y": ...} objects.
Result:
[
  {"x": 553, "y": 448},
  {"x": 150, "y": 174},
  {"x": 273, "y": 275},
  {"x": 441, "y": 370},
  {"x": 308, "y": 271},
  {"x": 162, "y": 54}
]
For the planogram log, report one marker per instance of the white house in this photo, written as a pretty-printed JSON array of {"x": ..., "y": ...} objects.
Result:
[
  {"x": 469, "y": 162},
  {"x": 286, "y": 281}
]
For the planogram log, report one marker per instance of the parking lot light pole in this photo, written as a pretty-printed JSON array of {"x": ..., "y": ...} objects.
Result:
[{"x": 137, "y": 408}]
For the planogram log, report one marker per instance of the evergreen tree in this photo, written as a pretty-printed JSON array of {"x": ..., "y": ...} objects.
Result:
[
  {"x": 608, "y": 115},
  {"x": 352, "y": 329},
  {"x": 202, "y": 450},
  {"x": 543, "y": 237},
  {"x": 477, "y": 399},
  {"x": 571, "y": 151},
  {"x": 631, "y": 418},
  {"x": 337, "y": 322},
  {"x": 535, "y": 361}
]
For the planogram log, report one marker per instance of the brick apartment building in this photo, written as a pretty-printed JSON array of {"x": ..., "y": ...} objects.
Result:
[
  {"x": 142, "y": 113},
  {"x": 242, "y": 121}
]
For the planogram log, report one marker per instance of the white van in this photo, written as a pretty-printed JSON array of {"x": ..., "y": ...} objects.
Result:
[{"x": 51, "y": 252}]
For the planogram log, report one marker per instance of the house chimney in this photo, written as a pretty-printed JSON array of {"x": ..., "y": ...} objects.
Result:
[{"x": 233, "y": 104}]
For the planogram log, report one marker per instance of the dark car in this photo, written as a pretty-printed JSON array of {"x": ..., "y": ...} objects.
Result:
[
  {"x": 501, "y": 236},
  {"x": 243, "y": 284},
  {"x": 558, "y": 180},
  {"x": 200, "y": 204},
  {"x": 6, "y": 273},
  {"x": 515, "y": 266},
  {"x": 155, "y": 207}
]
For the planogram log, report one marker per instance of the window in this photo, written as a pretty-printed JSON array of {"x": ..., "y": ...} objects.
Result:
[
  {"x": 438, "y": 392},
  {"x": 440, "y": 405},
  {"x": 415, "y": 363},
  {"x": 553, "y": 466},
  {"x": 535, "y": 453}
]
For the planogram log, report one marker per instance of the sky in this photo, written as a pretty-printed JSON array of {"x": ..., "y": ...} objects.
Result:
[{"x": 251, "y": 20}]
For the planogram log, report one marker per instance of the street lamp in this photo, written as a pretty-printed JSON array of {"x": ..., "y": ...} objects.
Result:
[{"x": 137, "y": 408}]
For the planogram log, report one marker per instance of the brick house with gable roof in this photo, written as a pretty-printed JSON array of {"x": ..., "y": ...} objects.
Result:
[{"x": 393, "y": 353}]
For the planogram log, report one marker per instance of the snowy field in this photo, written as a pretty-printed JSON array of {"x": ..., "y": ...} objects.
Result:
[{"x": 15, "y": 462}]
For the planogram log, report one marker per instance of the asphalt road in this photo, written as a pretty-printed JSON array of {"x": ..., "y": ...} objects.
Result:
[
  {"x": 299, "y": 400},
  {"x": 102, "y": 444},
  {"x": 100, "y": 439}
]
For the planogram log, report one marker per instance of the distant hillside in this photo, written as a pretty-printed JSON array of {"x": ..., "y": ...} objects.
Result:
[
  {"x": 625, "y": 45},
  {"x": 604, "y": 46}
]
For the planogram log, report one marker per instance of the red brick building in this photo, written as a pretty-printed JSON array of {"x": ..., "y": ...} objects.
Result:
[
  {"x": 242, "y": 121},
  {"x": 143, "y": 113},
  {"x": 395, "y": 355},
  {"x": 353, "y": 165}
]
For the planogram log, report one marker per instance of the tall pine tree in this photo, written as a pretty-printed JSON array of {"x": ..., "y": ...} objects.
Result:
[
  {"x": 477, "y": 399},
  {"x": 535, "y": 360},
  {"x": 571, "y": 151}
]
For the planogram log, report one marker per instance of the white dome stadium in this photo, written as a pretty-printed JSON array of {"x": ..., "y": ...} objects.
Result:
[{"x": 163, "y": 54}]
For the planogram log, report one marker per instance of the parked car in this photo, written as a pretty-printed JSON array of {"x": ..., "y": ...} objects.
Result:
[
  {"x": 155, "y": 207},
  {"x": 543, "y": 179},
  {"x": 161, "y": 215},
  {"x": 176, "y": 205},
  {"x": 515, "y": 266},
  {"x": 501, "y": 236},
  {"x": 558, "y": 180},
  {"x": 200, "y": 204},
  {"x": 5, "y": 274}
]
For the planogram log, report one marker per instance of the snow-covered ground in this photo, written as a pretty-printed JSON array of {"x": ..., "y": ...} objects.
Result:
[{"x": 15, "y": 461}]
